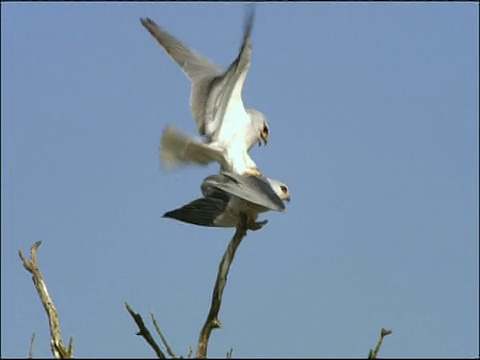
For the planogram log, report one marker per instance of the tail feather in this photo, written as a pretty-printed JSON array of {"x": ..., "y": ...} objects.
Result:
[{"x": 177, "y": 149}]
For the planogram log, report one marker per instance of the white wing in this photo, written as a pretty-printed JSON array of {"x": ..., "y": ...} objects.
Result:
[
  {"x": 200, "y": 71},
  {"x": 225, "y": 105}
]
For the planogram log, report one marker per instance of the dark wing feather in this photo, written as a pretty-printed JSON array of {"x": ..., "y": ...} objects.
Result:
[{"x": 202, "y": 211}]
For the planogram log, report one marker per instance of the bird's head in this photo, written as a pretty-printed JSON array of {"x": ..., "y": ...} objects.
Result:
[
  {"x": 280, "y": 189},
  {"x": 260, "y": 129}
]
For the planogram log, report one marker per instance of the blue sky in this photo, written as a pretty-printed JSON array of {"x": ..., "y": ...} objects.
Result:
[{"x": 373, "y": 111}]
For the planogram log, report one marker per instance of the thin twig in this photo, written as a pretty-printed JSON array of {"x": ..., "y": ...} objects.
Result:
[
  {"x": 373, "y": 353},
  {"x": 144, "y": 332},
  {"x": 212, "y": 321},
  {"x": 56, "y": 343},
  {"x": 30, "y": 352},
  {"x": 169, "y": 349}
]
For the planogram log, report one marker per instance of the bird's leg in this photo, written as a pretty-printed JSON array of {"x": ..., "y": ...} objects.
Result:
[
  {"x": 243, "y": 220},
  {"x": 253, "y": 171},
  {"x": 251, "y": 167},
  {"x": 249, "y": 221}
]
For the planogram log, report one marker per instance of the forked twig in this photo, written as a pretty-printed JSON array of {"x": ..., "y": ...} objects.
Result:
[
  {"x": 56, "y": 343},
  {"x": 144, "y": 332}
]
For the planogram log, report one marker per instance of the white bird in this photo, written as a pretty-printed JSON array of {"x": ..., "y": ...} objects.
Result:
[
  {"x": 228, "y": 195},
  {"x": 217, "y": 106}
]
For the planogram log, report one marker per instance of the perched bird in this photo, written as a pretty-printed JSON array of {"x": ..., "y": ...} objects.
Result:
[
  {"x": 217, "y": 106},
  {"x": 228, "y": 195}
]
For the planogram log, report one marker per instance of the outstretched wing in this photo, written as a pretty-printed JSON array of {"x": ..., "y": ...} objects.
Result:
[
  {"x": 228, "y": 87},
  {"x": 193, "y": 64},
  {"x": 196, "y": 67},
  {"x": 254, "y": 189}
]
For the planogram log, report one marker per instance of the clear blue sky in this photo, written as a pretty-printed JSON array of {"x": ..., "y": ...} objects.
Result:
[{"x": 373, "y": 110}]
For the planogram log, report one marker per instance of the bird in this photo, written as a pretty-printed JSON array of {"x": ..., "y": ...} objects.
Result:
[
  {"x": 228, "y": 196},
  {"x": 217, "y": 106}
]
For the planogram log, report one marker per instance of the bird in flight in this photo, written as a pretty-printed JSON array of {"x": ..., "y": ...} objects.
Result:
[{"x": 216, "y": 103}]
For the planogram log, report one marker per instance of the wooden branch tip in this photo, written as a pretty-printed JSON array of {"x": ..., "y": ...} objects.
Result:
[
  {"x": 385, "y": 332},
  {"x": 373, "y": 353},
  {"x": 32, "y": 342},
  {"x": 33, "y": 251},
  {"x": 70, "y": 346}
]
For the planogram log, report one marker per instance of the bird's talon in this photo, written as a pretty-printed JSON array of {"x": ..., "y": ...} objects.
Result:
[
  {"x": 257, "y": 225},
  {"x": 253, "y": 171}
]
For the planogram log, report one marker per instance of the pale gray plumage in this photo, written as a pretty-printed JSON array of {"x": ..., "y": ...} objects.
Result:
[
  {"x": 216, "y": 104},
  {"x": 227, "y": 195}
]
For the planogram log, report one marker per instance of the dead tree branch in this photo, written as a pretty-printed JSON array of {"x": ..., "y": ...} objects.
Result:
[
  {"x": 373, "y": 353},
  {"x": 32, "y": 342},
  {"x": 144, "y": 332},
  {"x": 157, "y": 328},
  {"x": 212, "y": 321},
  {"x": 56, "y": 343}
]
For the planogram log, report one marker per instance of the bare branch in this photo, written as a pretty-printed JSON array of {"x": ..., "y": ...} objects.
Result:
[
  {"x": 212, "y": 321},
  {"x": 144, "y": 332},
  {"x": 373, "y": 353},
  {"x": 56, "y": 343},
  {"x": 30, "y": 352},
  {"x": 169, "y": 349}
]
